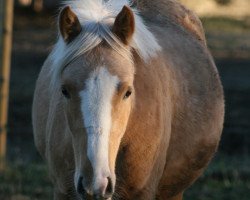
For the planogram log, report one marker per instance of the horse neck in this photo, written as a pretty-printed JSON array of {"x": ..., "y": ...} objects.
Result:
[
  {"x": 166, "y": 8},
  {"x": 172, "y": 11}
]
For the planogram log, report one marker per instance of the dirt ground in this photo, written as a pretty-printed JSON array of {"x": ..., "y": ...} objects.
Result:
[{"x": 34, "y": 36}]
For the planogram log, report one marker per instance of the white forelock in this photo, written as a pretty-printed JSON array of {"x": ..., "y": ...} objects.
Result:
[{"x": 96, "y": 18}]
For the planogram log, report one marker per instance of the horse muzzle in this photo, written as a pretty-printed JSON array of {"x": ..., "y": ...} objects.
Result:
[{"x": 103, "y": 189}]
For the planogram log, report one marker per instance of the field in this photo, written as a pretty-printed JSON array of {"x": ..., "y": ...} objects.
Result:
[{"x": 228, "y": 176}]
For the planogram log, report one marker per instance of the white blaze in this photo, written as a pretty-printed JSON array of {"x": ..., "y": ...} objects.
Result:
[{"x": 96, "y": 107}]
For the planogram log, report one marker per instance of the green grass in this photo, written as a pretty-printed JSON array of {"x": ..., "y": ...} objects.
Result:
[
  {"x": 227, "y": 178},
  {"x": 21, "y": 181}
]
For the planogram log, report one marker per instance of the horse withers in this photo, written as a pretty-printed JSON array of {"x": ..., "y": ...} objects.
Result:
[{"x": 129, "y": 103}]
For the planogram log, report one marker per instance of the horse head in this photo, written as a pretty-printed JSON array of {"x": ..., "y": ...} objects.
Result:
[{"x": 97, "y": 91}]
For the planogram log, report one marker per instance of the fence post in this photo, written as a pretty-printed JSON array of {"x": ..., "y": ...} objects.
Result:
[{"x": 6, "y": 18}]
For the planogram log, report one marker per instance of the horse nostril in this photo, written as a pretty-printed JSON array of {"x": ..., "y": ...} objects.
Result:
[
  {"x": 80, "y": 188},
  {"x": 109, "y": 189}
]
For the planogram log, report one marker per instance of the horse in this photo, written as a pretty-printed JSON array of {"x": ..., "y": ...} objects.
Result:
[{"x": 129, "y": 104}]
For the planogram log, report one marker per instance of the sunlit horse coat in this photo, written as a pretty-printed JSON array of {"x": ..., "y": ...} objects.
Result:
[{"x": 126, "y": 108}]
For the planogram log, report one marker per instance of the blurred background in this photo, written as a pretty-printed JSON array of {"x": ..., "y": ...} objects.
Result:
[{"x": 227, "y": 27}]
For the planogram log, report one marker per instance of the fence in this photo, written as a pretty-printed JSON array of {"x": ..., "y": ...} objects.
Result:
[{"x": 6, "y": 20}]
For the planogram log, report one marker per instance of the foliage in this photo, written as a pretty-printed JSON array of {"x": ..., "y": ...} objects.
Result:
[
  {"x": 228, "y": 25},
  {"x": 223, "y": 2}
]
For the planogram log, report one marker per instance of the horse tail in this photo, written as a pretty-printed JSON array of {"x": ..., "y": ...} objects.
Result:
[{"x": 173, "y": 10}]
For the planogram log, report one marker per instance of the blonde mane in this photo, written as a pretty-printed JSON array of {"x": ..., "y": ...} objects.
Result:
[{"x": 96, "y": 18}]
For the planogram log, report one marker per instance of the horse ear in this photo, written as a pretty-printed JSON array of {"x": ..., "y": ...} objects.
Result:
[
  {"x": 124, "y": 25},
  {"x": 69, "y": 24}
]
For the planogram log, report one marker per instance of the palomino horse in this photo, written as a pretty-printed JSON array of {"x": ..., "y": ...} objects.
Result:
[{"x": 129, "y": 104}]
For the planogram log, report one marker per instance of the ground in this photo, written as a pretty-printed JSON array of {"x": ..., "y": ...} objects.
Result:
[{"x": 227, "y": 177}]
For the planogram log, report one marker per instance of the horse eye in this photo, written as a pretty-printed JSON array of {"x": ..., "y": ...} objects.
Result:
[
  {"x": 127, "y": 95},
  {"x": 65, "y": 92}
]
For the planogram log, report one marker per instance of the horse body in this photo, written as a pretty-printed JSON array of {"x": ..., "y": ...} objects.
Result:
[
  {"x": 172, "y": 128},
  {"x": 180, "y": 109}
]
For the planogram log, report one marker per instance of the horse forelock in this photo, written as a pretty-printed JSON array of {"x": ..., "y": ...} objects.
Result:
[{"x": 96, "y": 18}]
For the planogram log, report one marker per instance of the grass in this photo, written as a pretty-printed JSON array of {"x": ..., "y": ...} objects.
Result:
[
  {"x": 227, "y": 178},
  {"x": 25, "y": 181}
]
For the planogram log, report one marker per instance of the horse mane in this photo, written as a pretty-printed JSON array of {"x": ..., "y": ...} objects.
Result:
[{"x": 96, "y": 18}]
